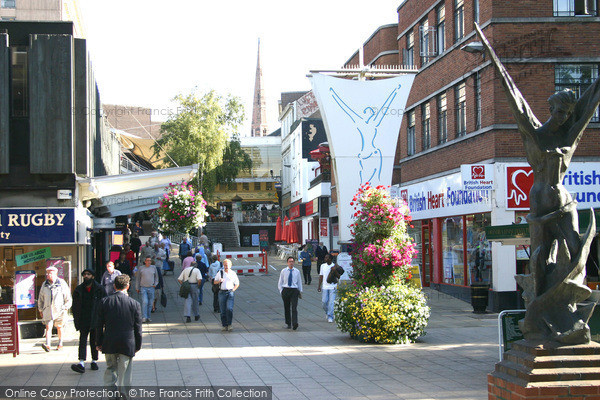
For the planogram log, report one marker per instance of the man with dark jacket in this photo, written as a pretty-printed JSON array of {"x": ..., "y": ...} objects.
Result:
[
  {"x": 320, "y": 253},
  {"x": 119, "y": 334},
  {"x": 86, "y": 298}
]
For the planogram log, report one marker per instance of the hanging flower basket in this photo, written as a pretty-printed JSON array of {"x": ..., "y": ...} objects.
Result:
[{"x": 181, "y": 209}]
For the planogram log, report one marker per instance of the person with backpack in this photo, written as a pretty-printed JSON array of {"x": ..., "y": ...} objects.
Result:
[
  {"x": 214, "y": 268},
  {"x": 328, "y": 280},
  {"x": 190, "y": 279}
]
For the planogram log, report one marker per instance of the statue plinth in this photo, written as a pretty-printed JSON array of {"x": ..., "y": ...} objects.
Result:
[{"x": 543, "y": 370}]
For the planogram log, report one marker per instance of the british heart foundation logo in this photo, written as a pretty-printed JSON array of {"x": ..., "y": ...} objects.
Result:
[
  {"x": 404, "y": 195},
  {"x": 477, "y": 172},
  {"x": 519, "y": 181}
]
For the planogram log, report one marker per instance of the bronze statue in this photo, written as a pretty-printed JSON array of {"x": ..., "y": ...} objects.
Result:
[{"x": 559, "y": 253}]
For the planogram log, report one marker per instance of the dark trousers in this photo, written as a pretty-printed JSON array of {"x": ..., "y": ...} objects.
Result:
[
  {"x": 216, "y": 307},
  {"x": 226, "y": 305},
  {"x": 306, "y": 272},
  {"x": 83, "y": 339},
  {"x": 290, "y": 305}
]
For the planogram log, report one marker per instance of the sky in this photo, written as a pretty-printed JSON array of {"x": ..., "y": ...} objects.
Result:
[{"x": 145, "y": 52}]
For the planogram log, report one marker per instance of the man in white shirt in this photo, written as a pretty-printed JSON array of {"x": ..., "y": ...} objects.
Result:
[
  {"x": 229, "y": 282},
  {"x": 191, "y": 305},
  {"x": 290, "y": 287},
  {"x": 329, "y": 289}
]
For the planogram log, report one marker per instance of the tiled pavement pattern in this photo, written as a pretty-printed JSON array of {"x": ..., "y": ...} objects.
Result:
[{"x": 450, "y": 362}]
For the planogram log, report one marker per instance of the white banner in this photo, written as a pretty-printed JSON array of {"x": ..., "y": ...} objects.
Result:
[{"x": 362, "y": 120}]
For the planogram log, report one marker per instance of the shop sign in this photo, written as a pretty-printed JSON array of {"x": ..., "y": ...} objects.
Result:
[
  {"x": 311, "y": 207},
  {"x": 443, "y": 197},
  {"x": 33, "y": 256},
  {"x": 323, "y": 224},
  {"x": 105, "y": 223},
  {"x": 582, "y": 180},
  {"x": 477, "y": 176},
  {"x": 24, "y": 289},
  {"x": 37, "y": 225},
  {"x": 297, "y": 211},
  {"x": 263, "y": 239},
  {"x": 9, "y": 331}
]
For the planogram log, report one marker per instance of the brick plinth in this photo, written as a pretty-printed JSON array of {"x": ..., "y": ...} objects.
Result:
[{"x": 544, "y": 370}]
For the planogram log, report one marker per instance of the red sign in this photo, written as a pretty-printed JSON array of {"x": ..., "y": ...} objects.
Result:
[
  {"x": 323, "y": 223},
  {"x": 404, "y": 195},
  {"x": 295, "y": 212},
  {"x": 309, "y": 208},
  {"x": 9, "y": 329},
  {"x": 519, "y": 181},
  {"x": 477, "y": 172}
]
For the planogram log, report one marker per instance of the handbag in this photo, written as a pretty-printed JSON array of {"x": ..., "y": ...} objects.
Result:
[
  {"x": 163, "y": 298},
  {"x": 185, "y": 288}
]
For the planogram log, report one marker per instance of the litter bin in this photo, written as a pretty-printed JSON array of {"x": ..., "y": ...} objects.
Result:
[{"x": 479, "y": 297}]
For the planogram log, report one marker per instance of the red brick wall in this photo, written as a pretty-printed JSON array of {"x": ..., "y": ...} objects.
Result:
[{"x": 384, "y": 39}]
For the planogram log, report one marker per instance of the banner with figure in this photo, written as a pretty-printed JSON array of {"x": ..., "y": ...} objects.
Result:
[{"x": 362, "y": 120}]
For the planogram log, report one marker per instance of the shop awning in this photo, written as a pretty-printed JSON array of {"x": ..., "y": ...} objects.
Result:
[{"x": 125, "y": 194}]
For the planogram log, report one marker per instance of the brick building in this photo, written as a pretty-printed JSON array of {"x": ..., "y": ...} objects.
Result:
[{"x": 457, "y": 115}]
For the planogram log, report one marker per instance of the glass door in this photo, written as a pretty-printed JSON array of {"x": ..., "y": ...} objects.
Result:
[{"x": 426, "y": 256}]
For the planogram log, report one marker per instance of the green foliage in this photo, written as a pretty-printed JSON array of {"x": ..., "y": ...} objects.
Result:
[
  {"x": 235, "y": 159},
  {"x": 393, "y": 314},
  {"x": 199, "y": 132}
]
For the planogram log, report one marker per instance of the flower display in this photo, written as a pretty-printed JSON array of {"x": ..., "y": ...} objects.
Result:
[
  {"x": 181, "y": 209},
  {"x": 395, "y": 314},
  {"x": 380, "y": 306}
]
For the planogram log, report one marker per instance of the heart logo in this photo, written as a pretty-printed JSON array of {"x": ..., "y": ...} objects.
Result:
[
  {"x": 519, "y": 182},
  {"x": 477, "y": 172}
]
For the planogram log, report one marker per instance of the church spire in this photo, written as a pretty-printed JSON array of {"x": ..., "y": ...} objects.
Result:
[{"x": 259, "y": 105}]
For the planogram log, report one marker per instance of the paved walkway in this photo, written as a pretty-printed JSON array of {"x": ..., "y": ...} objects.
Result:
[{"x": 317, "y": 361}]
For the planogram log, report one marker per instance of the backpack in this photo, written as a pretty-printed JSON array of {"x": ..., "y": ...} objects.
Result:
[
  {"x": 186, "y": 288},
  {"x": 334, "y": 274}
]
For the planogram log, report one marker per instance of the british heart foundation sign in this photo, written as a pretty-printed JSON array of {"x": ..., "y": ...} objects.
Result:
[{"x": 519, "y": 181}]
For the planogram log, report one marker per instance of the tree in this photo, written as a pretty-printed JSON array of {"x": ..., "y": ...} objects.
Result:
[
  {"x": 199, "y": 132},
  {"x": 235, "y": 159}
]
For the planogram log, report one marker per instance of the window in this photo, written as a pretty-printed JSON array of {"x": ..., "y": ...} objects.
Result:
[
  {"x": 452, "y": 251},
  {"x": 476, "y": 11},
  {"x": 409, "y": 52},
  {"x": 571, "y": 8},
  {"x": 477, "y": 88},
  {"x": 479, "y": 249},
  {"x": 8, "y": 4},
  {"x": 440, "y": 29},
  {"x": 425, "y": 126},
  {"x": 461, "y": 112},
  {"x": 576, "y": 77},
  {"x": 442, "y": 118},
  {"x": 459, "y": 20},
  {"x": 19, "y": 81},
  {"x": 411, "y": 133},
  {"x": 245, "y": 186},
  {"x": 426, "y": 42},
  {"x": 256, "y": 185},
  {"x": 269, "y": 186}
]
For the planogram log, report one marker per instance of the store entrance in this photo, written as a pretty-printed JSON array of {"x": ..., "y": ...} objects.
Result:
[{"x": 426, "y": 253}]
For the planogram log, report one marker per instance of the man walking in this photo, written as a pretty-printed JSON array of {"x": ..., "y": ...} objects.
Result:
[
  {"x": 329, "y": 289},
  {"x": 228, "y": 283},
  {"x": 86, "y": 298},
  {"x": 108, "y": 278},
  {"x": 320, "y": 253},
  {"x": 147, "y": 279},
  {"x": 306, "y": 265},
  {"x": 55, "y": 299},
  {"x": 184, "y": 248},
  {"x": 190, "y": 305},
  {"x": 290, "y": 287},
  {"x": 119, "y": 333}
]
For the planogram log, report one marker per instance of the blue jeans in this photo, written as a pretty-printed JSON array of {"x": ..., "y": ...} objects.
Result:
[
  {"x": 200, "y": 293},
  {"x": 147, "y": 294},
  {"x": 226, "y": 306},
  {"x": 328, "y": 298}
]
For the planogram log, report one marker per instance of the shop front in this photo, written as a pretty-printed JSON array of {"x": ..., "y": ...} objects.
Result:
[
  {"x": 31, "y": 239},
  {"x": 451, "y": 215}
]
